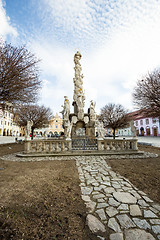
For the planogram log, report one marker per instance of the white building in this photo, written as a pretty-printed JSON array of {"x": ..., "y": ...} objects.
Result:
[
  {"x": 145, "y": 126},
  {"x": 126, "y": 132},
  {"x": 7, "y": 125},
  {"x": 1, "y": 122},
  {"x": 148, "y": 126}
]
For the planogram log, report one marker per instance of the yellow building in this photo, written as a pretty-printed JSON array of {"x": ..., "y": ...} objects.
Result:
[
  {"x": 22, "y": 131},
  {"x": 55, "y": 125}
]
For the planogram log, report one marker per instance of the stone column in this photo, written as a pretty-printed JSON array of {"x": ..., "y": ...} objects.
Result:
[
  {"x": 56, "y": 146},
  {"x": 99, "y": 145},
  {"x": 50, "y": 147},
  {"x": 69, "y": 144},
  {"x": 62, "y": 146},
  {"x": 134, "y": 144},
  {"x": 44, "y": 146},
  {"x": 27, "y": 146}
]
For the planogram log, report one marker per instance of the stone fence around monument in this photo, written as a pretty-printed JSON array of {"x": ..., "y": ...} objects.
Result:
[{"x": 62, "y": 145}]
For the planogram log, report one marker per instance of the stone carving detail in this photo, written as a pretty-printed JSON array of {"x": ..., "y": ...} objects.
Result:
[
  {"x": 80, "y": 132},
  {"x": 100, "y": 129},
  {"x": 133, "y": 128},
  {"x": 66, "y": 108},
  {"x": 68, "y": 130},
  {"x": 28, "y": 129},
  {"x": 92, "y": 111},
  {"x": 66, "y": 122},
  {"x": 78, "y": 96}
]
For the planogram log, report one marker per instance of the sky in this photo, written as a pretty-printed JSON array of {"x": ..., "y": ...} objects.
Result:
[{"x": 119, "y": 41}]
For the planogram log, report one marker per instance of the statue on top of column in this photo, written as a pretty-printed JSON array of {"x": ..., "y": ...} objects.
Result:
[{"x": 78, "y": 96}]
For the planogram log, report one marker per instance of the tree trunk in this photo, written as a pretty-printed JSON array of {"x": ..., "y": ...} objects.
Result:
[
  {"x": 114, "y": 130},
  {"x": 32, "y": 133}
]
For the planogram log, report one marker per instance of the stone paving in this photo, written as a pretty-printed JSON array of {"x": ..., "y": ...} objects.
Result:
[
  {"x": 116, "y": 209},
  {"x": 115, "y": 206}
]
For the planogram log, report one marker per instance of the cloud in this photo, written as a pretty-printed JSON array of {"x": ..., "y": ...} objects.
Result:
[
  {"x": 5, "y": 26},
  {"x": 119, "y": 42},
  {"x": 90, "y": 23}
]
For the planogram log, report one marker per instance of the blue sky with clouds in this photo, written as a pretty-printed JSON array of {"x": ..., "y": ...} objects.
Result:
[{"x": 119, "y": 41}]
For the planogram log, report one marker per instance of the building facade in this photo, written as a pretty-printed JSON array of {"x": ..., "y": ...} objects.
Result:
[
  {"x": 55, "y": 126},
  {"x": 145, "y": 126},
  {"x": 8, "y": 127},
  {"x": 148, "y": 126}
]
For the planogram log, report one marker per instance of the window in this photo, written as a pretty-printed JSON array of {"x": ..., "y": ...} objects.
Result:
[
  {"x": 154, "y": 120},
  {"x": 56, "y": 126},
  {"x": 147, "y": 121},
  {"x": 8, "y": 123},
  {"x": 5, "y": 122},
  {"x": 141, "y": 122},
  {"x": 136, "y": 123}
]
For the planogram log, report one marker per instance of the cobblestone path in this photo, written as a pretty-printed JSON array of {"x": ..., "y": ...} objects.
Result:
[{"x": 116, "y": 209}]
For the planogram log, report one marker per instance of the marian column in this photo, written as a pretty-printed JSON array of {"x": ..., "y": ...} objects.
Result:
[{"x": 78, "y": 97}]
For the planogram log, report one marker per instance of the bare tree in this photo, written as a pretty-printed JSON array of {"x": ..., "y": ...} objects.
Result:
[
  {"x": 114, "y": 116},
  {"x": 40, "y": 115},
  {"x": 146, "y": 94},
  {"x": 19, "y": 74}
]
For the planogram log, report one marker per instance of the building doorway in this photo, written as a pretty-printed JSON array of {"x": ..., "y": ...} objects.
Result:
[
  {"x": 142, "y": 131},
  {"x": 148, "y": 131},
  {"x": 155, "y": 132}
]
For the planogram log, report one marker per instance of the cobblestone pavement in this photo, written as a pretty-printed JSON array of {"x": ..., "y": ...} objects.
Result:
[
  {"x": 116, "y": 209},
  {"x": 114, "y": 205}
]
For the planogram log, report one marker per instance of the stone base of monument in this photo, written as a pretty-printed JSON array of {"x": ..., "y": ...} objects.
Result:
[
  {"x": 111, "y": 154},
  {"x": 80, "y": 146}
]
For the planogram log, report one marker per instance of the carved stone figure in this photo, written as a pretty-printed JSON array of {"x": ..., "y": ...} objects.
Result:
[
  {"x": 100, "y": 129},
  {"x": 66, "y": 108},
  {"x": 92, "y": 111},
  {"x": 78, "y": 96},
  {"x": 28, "y": 129},
  {"x": 68, "y": 130},
  {"x": 133, "y": 128}
]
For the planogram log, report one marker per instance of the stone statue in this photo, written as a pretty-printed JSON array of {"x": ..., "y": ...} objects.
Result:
[
  {"x": 100, "y": 129},
  {"x": 66, "y": 108},
  {"x": 68, "y": 130},
  {"x": 92, "y": 111},
  {"x": 133, "y": 128},
  {"x": 78, "y": 96},
  {"x": 77, "y": 58},
  {"x": 28, "y": 129}
]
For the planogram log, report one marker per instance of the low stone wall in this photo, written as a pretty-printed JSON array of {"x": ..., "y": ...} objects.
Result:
[
  {"x": 117, "y": 144},
  {"x": 63, "y": 145},
  {"x": 47, "y": 146}
]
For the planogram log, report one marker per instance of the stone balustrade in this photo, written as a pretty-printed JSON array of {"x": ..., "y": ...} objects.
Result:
[
  {"x": 63, "y": 145},
  {"x": 117, "y": 144},
  {"x": 48, "y": 146}
]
